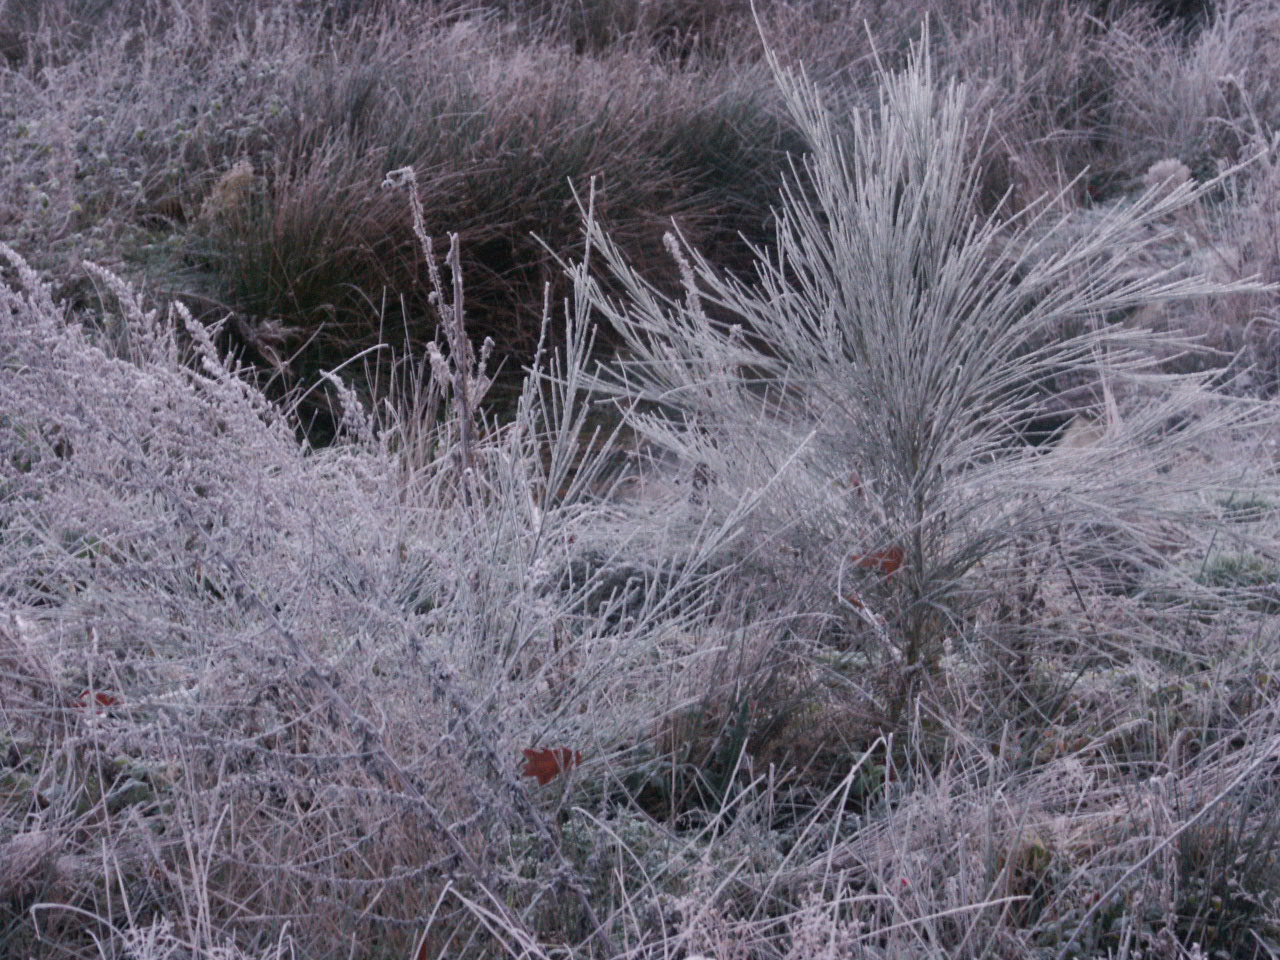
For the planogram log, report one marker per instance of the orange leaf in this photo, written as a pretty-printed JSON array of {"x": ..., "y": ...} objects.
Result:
[
  {"x": 885, "y": 561},
  {"x": 546, "y": 764}
]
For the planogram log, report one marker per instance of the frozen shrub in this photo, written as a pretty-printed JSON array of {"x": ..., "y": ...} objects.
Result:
[
  {"x": 876, "y": 375},
  {"x": 246, "y": 672}
]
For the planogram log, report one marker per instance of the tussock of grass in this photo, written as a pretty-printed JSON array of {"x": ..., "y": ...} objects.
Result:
[{"x": 127, "y": 147}]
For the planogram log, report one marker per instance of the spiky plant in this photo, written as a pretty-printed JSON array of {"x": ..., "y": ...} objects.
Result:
[{"x": 892, "y": 353}]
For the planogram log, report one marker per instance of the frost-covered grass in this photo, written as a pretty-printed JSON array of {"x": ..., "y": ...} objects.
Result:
[
  {"x": 230, "y": 156},
  {"x": 835, "y": 664}
]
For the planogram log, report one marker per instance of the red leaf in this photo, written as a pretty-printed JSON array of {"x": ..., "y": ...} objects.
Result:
[
  {"x": 885, "y": 561},
  {"x": 546, "y": 764},
  {"x": 102, "y": 699}
]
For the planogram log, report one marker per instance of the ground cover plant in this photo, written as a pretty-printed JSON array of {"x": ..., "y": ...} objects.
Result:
[{"x": 895, "y": 581}]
